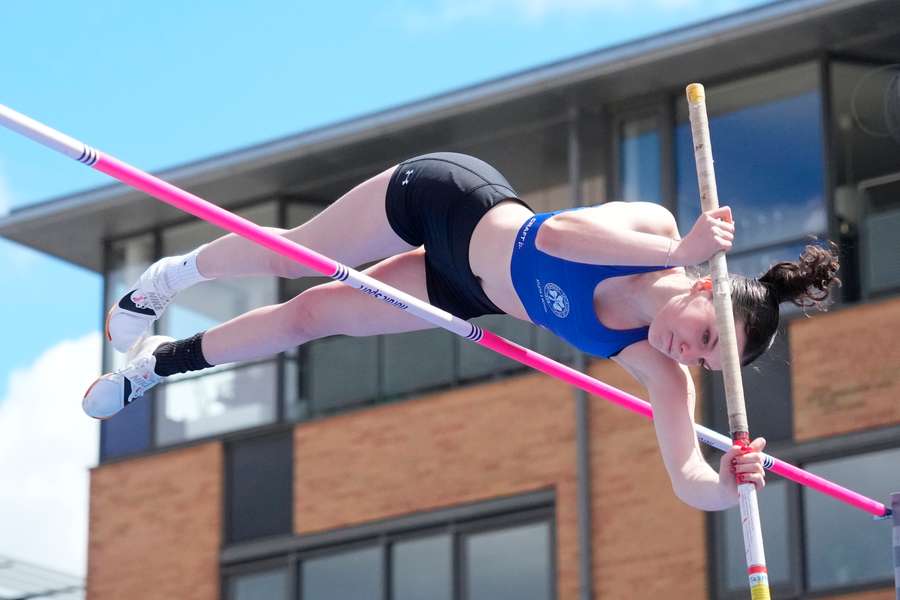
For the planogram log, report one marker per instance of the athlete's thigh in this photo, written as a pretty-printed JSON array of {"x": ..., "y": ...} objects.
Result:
[
  {"x": 336, "y": 308},
  {"x": 354, "y": 229}
]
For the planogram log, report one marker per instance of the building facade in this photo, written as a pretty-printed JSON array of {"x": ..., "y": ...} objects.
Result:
[{"x": 420, "y": 466}]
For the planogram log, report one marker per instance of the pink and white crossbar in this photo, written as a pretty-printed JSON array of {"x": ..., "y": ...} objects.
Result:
[{"x": 228, "y": 221}]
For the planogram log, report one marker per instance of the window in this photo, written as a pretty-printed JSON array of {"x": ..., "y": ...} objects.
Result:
[
  {"x": 404, "y": 369},
  {"x": 731, "y": 563},
  {"x": 421, "y": 568},
  {"x": 475, "y": 361},
  {"x": 866, "y": 153},
  {"x": 494, "y": 550},
  {"x": 259, "y": 480},
  {"x": 129, "y": 432},
  {"x": 509, "y": 564},
  {"x": 639, "y": 156},
  {"x": 349, "y": 575},
  {"x": 229, "y": 397},
  {"x": 271, "y": 585},
  {"x": 814, "y": 544},
  {"x": 767, "y": 391},
  {"x": 767, "y": 144},
  {"x": 844, "y": 546}
]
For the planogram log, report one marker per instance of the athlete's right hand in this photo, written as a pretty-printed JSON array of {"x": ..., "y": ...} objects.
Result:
[{"x": 713, "y": 232}]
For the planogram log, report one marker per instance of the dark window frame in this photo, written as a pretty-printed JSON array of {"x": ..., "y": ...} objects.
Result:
[
  {"x": 468, "y": 519},
  {"x": 850, "y": 445}
]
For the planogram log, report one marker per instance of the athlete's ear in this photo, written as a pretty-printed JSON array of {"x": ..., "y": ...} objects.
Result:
[{"x": 702, "y": 285}]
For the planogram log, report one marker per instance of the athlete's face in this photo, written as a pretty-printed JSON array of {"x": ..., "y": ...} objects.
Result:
[{"x": 685, "y": 329}]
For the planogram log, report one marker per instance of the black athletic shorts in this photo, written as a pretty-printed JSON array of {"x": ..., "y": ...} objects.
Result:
[{"x": 437, "y": 200}]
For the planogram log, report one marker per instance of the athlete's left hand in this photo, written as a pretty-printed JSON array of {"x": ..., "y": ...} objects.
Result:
[{"x": 739, "y": 466}]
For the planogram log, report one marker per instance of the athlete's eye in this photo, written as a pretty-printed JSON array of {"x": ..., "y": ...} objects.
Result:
[{"x": 706, "y": 337}]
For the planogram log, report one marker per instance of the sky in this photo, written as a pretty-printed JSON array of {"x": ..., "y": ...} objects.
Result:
[{"x": 164, "y": 83}]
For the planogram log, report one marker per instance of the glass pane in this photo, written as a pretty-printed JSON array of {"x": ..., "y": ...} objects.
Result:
[
  {"x": 190, "y": 407},
  {"x": 844, "y": 545},
  {"x": 773, "y": 505},
  {"x": 864, "y": 147},
  {"x": 129, "y": 432},
  {"x": 271, "y": 585},
  {"x": 767, "y": 144},
  {"x": 326, "y": 364},
  {"x": 352, "y": 575},
  {"x": 210, "y": 303},
  {"x": 127, "y": 260},
  {"x": 767, "y": 390},
  {"x": 512, "y": 564},
  {"x": 405, "y": 366},
  {"x": 296, "y": 406},
  {"x": 639, "y": 160},
  {"x": 422, "y": 569},
  {"x": 475, "y": 361}
]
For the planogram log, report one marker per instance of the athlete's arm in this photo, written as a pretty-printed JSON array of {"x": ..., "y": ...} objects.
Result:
[
  {"x": 672, "y": 395},
  {"x": 633, "y": 234}
]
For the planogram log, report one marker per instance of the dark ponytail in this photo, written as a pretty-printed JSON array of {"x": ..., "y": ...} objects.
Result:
[{"x": 805, "y": 283}]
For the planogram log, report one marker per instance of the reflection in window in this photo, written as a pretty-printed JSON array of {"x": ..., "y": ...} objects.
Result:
[
  {"x": 127, "y": 260},
  {"x": 845, "y": 546},
  {"x": 354, "y": 575},
  {"x": 639, "y": 160},
  {"x": 512, "y": 564},
  {"x": 421, "y": 568},
  {"x": 767, "y": 144},
  {"x": 190, "y": 406},
  {"x": 212, "y": 302},
  {"x": 773, "y": 505},
  {"x": 129, "y": 432},
  {"x": 271, "y": 585},
  {"x": 214, "y": 401}
]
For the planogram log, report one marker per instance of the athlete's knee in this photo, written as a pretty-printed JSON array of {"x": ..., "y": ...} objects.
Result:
[{"x": 311, "y": 315}]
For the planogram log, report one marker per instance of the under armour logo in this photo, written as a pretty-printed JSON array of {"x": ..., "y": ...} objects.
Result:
[{"x": 407, "y": 173}]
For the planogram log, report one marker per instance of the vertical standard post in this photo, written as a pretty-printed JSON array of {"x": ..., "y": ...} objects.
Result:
[
  {"x": 895, "y": 519},
  {"x": 731, "y": 363}
]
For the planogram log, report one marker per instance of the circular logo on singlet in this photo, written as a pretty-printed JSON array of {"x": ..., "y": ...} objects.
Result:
[{"x": 557, "y": 299}]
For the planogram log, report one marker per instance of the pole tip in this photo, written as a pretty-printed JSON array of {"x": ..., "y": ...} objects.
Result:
[{"x": 695, "y": 93}]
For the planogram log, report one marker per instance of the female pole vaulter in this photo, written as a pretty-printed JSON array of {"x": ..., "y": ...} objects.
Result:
[{"x": 450, "y": 230}]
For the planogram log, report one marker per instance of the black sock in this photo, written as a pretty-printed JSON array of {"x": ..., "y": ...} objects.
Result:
[{"x": 180, "y": 356}]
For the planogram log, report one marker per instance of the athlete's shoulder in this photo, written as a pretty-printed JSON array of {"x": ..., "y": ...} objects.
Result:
[{"x": 650, "y": 366}]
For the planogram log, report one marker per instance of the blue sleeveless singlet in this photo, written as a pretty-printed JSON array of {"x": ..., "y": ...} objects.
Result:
[{"x": 558, "y": 294}]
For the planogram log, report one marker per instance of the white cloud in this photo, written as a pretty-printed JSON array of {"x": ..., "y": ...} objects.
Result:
[
  {"x": 47, "y": 445},
  {"x": 451, "y": 12}
]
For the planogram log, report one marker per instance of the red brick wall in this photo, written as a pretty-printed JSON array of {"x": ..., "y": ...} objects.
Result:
[
  {"x": 846, "y": 370},
  {"x": 155, "y": 526},
  {"x": 443, "y": 450}
]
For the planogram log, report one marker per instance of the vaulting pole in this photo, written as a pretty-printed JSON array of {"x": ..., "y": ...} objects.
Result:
[
  {"x": 220, "y": 217},
  {"x": 731, "y": 360}
]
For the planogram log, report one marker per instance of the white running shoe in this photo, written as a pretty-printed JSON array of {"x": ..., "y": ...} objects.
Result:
[
  {"x": 114, "y": 391},
  {"x": 129, "y": 319}
]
